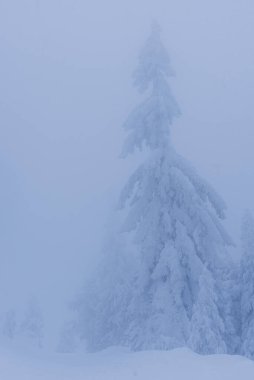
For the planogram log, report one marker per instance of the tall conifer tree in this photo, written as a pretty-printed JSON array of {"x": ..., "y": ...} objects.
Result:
[{"x": 147, "y": 294}]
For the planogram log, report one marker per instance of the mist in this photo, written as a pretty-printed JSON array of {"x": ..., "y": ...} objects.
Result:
[{"x": 66, "y": 88}]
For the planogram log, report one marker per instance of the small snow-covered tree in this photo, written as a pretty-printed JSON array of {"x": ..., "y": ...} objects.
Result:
[
  {"x": 32, "y": 326},
  {"x": 207, "y": 328},
  {"x": 247, "y": 286},
  {"x": 147, "y": 293},
  {"x": 9, "y": 324},
  {"x": 69, "y": 338}
]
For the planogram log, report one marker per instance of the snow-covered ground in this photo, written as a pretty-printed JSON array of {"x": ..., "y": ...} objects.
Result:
[{"x": 119, "y": 364}]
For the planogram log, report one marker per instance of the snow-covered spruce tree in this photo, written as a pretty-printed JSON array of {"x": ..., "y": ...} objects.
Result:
[
  {"x": 32, "y": 326},
  {"x": 247, "y": 287},
  {"x": 147, "y": 293},
  {"x": 207, "y": 330}
]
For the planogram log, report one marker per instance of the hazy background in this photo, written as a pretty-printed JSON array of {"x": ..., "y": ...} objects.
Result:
[{"x": 65, "y": 90}]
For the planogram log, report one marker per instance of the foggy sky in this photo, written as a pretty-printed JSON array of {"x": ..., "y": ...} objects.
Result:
[{"x": 65, "y": 91}]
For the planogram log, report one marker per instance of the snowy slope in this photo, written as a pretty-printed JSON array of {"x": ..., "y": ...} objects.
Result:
[{"x": 118, "y": 364}]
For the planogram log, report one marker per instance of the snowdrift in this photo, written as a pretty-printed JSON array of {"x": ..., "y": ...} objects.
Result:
[{"x": 120, "y": 364}]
